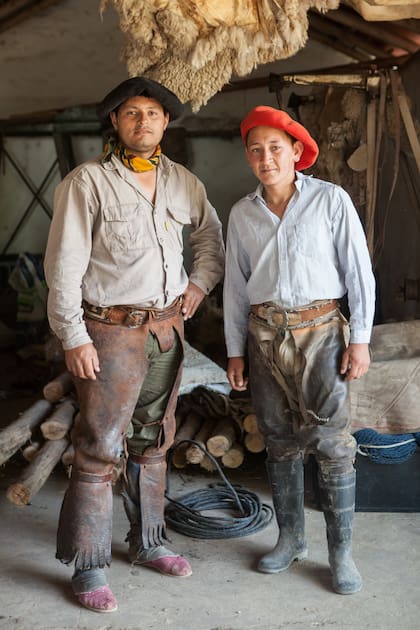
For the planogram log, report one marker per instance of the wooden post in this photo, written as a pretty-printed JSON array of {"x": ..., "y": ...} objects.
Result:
[
  {"x": 234, "y": 457},
  {"x": 222, "y": 438},
  {"x": 250, "y": 423},
  {"x": 38, "y": 471},
  {"x": 59, "y": 423},
  {"x": 30, "y": 451},
  {"x": 19, "y": 432},
  {"x": 194, "y": 454},
  {"x": 254, "y": 442},
  {"x": 58, "y": 387},
  {"x": 186, "y": 431},
  {"x": 207, "y": 464}
]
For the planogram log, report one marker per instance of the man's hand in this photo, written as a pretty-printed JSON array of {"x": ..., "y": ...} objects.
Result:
[
  {"x": 235, "y": 373},
  {"x": 83, "y": 361},
  {"x": 355, "y": 361},
  {"x": 193, "y": 296}
]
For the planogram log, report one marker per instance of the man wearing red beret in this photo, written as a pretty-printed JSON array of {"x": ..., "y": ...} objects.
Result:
[{"x": 296, "y": 246}]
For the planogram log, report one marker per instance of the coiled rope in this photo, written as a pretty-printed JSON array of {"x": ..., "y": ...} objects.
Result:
[
  {"x": 386, "y": 449},
  {"x": 185, "y": 516}
]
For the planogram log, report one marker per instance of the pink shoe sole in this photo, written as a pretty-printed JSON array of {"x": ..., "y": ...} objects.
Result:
[
  {"x": 102, "y": 600},
  {"x": 174, "y": 566}
]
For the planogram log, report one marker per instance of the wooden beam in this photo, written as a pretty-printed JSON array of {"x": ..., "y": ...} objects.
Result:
[
  {"x": 331, "y": 42},
  {"x": 382, "y": 33},
  {"x": 26, "y": 12},
  {"x": 323, "y": 25}
]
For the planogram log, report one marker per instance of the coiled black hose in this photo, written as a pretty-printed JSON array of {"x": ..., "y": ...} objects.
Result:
[{"x": 184, "y": 514}]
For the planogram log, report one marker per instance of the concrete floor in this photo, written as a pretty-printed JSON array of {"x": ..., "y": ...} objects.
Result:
[{"x": 224, "y": 592}]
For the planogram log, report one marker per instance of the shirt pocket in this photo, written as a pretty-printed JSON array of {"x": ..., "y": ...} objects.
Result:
[
  {"x": 178, "y": 219},
  {"x": 126, "y": 227},
  {"x": 180, "y": 215},
  {"x": 307, "y": 241}
]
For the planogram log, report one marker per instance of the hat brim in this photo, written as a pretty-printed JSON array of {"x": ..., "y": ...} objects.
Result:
[
  {"x": 140, "y": 86},
  {"x": 264, "y": 116}
]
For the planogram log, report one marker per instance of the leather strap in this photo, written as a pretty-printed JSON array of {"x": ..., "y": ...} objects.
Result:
[
  {"x": 79, "y": 475},
  {"x": 148, "y": 459},
  {"x": 130, "y": 316},
  {"x": 293, "y": 317}
]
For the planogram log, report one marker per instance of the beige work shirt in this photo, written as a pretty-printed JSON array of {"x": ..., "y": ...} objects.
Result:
[{"x": 109, "y": 245}]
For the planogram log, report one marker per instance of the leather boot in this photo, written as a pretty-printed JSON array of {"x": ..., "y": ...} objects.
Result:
[
  {"x": 337, "y": 501},
  {"x": 287, "y": 483},
  {"x": 147, "y": 534}
]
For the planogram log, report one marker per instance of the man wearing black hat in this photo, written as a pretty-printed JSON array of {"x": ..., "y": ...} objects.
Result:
[
  {"x": 295, "y": 246},
  {"x": 118, "y": 297}
]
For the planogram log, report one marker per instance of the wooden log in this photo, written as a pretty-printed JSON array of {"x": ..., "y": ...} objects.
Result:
[
  {"x": 189, "y": 427},
  {"x": 38, "y": 471},
  {"x": 234, "y": 457},
  {"x": 250, "y": 423},
  {"x": 254, "y": 442},
  {"x": 207, "y": 464},
  {"x": 59, "y": 423},
  {"x": 30, "y": 451},
  {"x": 194, "y": 454},
  {"x": 67, "y": 457},
  {"x": 20, "y": 431},
  {"x": 58, "y": 387},
  {"x": 224, "y": 435},
  {"x": 179, "y": 459}
]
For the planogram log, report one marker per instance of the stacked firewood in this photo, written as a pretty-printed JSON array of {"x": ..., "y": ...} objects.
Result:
[
  {"x": 41, "y": 434},
  {"x": 210, "y": 427},
  {"x": 211, "y": 423}
]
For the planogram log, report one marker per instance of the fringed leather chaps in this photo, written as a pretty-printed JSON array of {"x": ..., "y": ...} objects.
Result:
[
  {"x": 148, "y": 509},
  {"x": 106, "y": 407},
  {"x": 85, "y": 524},
  {"x": 151, "y": 481}
]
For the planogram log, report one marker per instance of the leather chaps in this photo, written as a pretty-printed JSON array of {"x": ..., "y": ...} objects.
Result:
[
  {"x": 106, "y": 408},
  {"x": 301, "y": 400}
]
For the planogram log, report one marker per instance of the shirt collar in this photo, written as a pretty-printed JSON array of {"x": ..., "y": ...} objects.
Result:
[{"x": 300, "y": 178}]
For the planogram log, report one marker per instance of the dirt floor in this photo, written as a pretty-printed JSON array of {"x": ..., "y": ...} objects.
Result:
[{"x": 224, "y": 592}]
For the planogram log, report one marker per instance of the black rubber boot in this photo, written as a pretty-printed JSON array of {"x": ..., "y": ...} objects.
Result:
[
  {"x": 287, "y": 484},
  {"x": 337, "y": 501}
]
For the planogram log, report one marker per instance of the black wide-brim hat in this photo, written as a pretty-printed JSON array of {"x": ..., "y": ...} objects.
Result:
[{"x": 140, "y": 86}]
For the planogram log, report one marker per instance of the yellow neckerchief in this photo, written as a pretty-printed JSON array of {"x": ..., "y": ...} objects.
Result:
[{"x": 131, "y": 161}]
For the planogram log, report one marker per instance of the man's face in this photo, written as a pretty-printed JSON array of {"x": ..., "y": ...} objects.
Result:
[
  {"x": 140, "y": 123},
  {"x": 272, "y": 155}
]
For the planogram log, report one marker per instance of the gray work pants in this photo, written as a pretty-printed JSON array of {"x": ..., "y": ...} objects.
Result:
[{"x": 301, "y": 400}]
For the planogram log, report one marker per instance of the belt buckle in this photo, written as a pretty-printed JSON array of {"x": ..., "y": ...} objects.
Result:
[
  {"x": 270, "y": 310},
  {"x": 137, "y": 317},
  {"x": 98, "y": 312}
]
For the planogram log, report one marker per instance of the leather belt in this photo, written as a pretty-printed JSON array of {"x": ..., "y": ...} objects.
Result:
[
  {"x": 131, "y": 316},
  {"x": 294, "y": 318}
]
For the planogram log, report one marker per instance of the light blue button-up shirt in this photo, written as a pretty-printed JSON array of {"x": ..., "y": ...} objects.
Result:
[{"x": 316, "y": 251}]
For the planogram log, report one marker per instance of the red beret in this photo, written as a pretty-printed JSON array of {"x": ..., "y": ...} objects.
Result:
[{"x": 264, "y": 116}]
